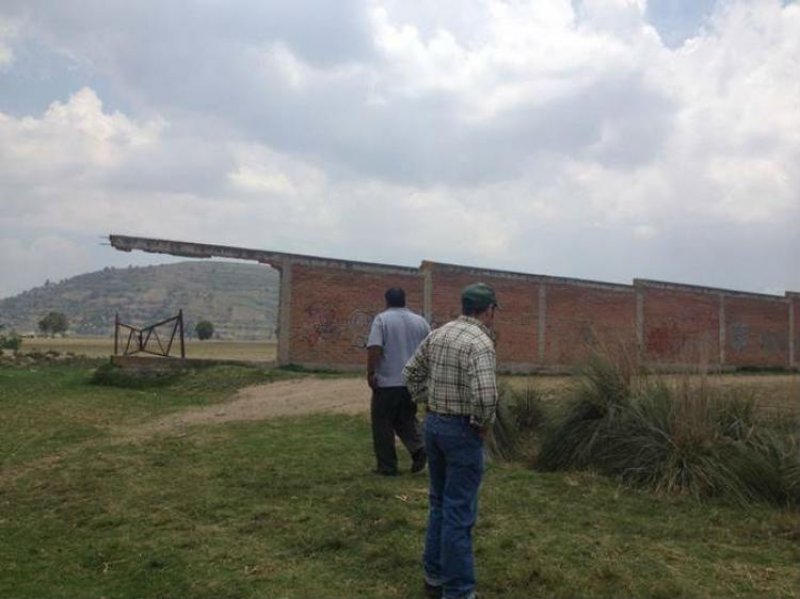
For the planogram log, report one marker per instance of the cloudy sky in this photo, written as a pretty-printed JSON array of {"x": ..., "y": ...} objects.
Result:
[{"x": 599, "y": 139}]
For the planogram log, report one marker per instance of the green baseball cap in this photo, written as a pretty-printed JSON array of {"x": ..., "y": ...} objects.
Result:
[{"x": 479, "y": 295}]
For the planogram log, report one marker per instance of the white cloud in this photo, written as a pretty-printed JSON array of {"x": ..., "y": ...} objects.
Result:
[
  {"x": 555, "y": 136},
  {"x": 521, "y": 58},
  {"x": 71, "y": 139},
  {"x": 6, "y": 55},
  {"x": 738, "y": 130},
  {"x": 645, "y": 232},
  {"x": 263, "y": 181},
  {"x": 8, "y": 31}
]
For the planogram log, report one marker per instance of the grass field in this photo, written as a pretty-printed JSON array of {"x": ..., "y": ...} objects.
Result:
[
  {"x": 90, "y": 506},
  {"x": 97, "y": 347}
]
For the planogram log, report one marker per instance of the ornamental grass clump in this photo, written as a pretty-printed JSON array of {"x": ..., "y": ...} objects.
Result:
[
  {"x": 672, "y": 435},
  {"x": 520, "y": 415},
  {"x": 676, "y": 440},
  {"x": 580, "y": 426},
  {"x": 775, "y": 476}
]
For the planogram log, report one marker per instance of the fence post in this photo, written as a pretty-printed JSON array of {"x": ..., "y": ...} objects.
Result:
[{"x": 180, "y": 323}]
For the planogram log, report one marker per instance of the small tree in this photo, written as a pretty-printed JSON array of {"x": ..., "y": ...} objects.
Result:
[
  {"x": 204, "y": 330},
  {"x": 53, "y": 323},
  {"x": 11, "y": 341}
]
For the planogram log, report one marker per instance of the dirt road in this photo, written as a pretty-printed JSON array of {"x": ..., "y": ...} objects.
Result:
[
  {"x": 294, "y": 397},
  {"x": 297, "y": 397}
]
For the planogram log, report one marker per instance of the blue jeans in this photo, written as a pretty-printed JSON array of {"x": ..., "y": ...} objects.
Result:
[{"x": 455, "y": 467}]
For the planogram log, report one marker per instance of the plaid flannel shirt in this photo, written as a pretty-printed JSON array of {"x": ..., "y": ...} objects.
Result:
[{"x": 453, "y": 371}]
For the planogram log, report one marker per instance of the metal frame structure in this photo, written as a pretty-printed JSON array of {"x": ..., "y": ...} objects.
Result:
[{"x": 143, "y": 340}]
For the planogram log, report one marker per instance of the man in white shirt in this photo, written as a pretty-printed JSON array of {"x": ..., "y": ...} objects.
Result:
[{"x": 394, "y": 337}]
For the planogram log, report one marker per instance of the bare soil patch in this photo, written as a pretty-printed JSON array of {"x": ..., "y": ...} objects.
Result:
[{"x": 294, "y": 397}]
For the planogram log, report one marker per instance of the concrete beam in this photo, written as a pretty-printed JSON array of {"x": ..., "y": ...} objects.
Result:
[
  {"x": 275, "y": 259},
  {"x": 701, "y": 289}
]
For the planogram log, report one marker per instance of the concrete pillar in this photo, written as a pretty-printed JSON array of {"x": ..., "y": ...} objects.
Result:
[
  {"x": 794, "y": 300},
  {"x": 723, "y": 328},
  {"x": 285, "y": 314},
  {"x": 542, "y": 322},
  {"x": 640, "y": 323},
  {"x": 427, "y": 293}
]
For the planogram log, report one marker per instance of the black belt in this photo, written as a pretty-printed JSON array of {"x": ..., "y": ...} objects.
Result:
[{"x": 453, "y": 416}]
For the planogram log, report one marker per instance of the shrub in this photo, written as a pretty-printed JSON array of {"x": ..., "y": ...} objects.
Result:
[
  {"x": 204, "y": 330},
  {"x": 110, "y": 375},
  {"x": 604, "y": 393},
  {"x": 11, "y": 341},
  {"x": 681, "y": 437},
  {"x": 53, "y": 323},
  {"x": 675, "y": 443},
  {"x": 520, "y": 415}
]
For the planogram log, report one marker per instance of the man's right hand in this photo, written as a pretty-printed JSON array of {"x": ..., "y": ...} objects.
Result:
[{"x": 372, "y": 380}]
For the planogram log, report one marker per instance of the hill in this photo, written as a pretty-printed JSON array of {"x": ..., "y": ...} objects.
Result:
[{"x": 241, "y": 300}]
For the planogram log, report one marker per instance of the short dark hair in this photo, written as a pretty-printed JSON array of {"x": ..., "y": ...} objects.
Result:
[
  {"x": 395, "y": 297},
  {"x": 470, "y": 309}
]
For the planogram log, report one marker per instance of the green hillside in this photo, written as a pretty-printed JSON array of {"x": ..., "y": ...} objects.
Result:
[{"x": 241, "y": 300}]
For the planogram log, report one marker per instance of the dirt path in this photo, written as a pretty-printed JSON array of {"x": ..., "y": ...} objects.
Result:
[
  {"x": 294, "y": 397},
  {"x": 297, "y": 397}
]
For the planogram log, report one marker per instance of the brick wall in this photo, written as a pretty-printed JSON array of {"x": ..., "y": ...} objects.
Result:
[
  {"x": 756, "y": 331},
  {"x": 679, "y": 326},
  {"x": 332, "y": 308},
  {"x": 516, "y": 323},
  {"x": 327, "y": 305},
  {"x": 581, "y": 318},
  {"x": 546, "y": 323}
]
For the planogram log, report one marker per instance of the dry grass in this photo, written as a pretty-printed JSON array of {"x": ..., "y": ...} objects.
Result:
[
  {"x": 99, "y": 347},
  {"x": 768, "y": 390}
]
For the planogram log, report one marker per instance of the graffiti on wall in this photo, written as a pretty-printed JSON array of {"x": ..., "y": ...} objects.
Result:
[
  {"x": 325, "y": 325},
  {"x": 358, "y": 329},
  {"x": 769, "y": 342},
  {"x": 739, "y": 334},
  {"x": 319, "y": 324},
  {"x": 666, "y": 339}
]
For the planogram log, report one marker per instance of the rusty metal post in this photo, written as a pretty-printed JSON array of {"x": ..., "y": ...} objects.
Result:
[{"x": 180, "y": 323}]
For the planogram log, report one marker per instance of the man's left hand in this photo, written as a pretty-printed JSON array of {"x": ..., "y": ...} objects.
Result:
[{"x": 372, "y": 380}]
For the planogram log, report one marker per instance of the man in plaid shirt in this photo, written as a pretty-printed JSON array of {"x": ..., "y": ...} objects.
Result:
[{"x": 453, "y": 374}]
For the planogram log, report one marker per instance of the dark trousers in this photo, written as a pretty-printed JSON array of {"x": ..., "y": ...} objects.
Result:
[{"x": 393, "y": 412}]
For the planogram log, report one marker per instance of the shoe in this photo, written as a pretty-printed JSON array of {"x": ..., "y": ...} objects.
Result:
[
  {"x": 432, "y": 591},
  {"x": 385, "y": 472},
  {"x": 419, "y": 461}
]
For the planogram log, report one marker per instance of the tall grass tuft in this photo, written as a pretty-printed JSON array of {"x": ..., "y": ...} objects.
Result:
[
  {"x": 675, "y": 436},
  {"x": 520, "y": 415},
  {"x": 602, "y": 397}
]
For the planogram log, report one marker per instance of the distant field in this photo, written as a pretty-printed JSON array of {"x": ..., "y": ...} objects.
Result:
[
  {"x": 95, "y": 347},
  {"x": 768, "y": 390}
]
